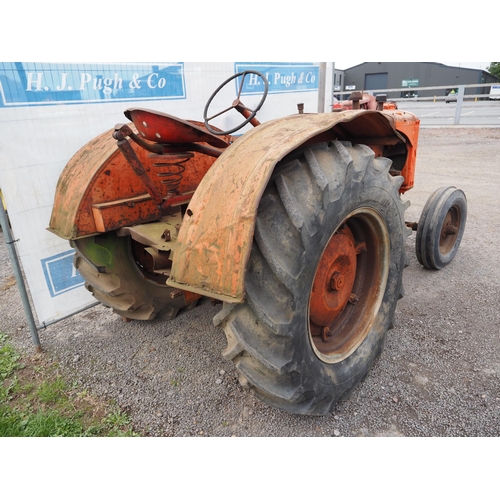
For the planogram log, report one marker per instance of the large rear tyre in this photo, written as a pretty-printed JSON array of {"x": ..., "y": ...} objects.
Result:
[
  {"x": 323, "y": 280},
  {"x": 112, "y": 273},
  {"x": 441, "y": 227}
]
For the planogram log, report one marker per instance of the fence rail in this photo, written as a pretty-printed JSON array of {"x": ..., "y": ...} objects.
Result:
[
  {"x": 435, "y": 97},
  {"x": 461, "y": 96}
]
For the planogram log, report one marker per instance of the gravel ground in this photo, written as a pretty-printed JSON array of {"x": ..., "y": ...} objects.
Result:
[{"x": 439, "y": 374}]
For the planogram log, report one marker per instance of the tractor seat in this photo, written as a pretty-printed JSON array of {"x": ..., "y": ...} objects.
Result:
[{"x": 166, "y": 129}]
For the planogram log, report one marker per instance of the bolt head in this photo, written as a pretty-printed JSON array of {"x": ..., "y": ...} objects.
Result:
[{"x": 337, "y": 281}]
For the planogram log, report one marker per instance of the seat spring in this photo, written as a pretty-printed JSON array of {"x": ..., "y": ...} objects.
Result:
[{"x": 170, "y": 167}]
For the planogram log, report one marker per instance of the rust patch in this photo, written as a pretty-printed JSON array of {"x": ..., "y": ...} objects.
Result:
[{"x": 98, "y": 179}]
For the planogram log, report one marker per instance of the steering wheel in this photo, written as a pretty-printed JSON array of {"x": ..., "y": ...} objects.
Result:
[{"x": 248, "y": 113}]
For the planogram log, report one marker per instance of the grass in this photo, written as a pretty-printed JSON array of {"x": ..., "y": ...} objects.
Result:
[{"x": 36, "y": 401}]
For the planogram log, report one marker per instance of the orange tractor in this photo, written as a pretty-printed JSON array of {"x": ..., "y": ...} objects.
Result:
[{"x": 296, "y": 226}]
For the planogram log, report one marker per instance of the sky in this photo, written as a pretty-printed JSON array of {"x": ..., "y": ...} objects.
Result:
[
  {"x": 299, "y": 33},
  {"x": 304, "y": 31}
]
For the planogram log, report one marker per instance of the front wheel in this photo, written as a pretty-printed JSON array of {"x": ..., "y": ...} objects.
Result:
[
  {"x": 323, "y": 280},
  {"x": 441, "y": 227}
]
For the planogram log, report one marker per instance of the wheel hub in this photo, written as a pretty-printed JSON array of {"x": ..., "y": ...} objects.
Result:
[
  {"x": 349, "y": 285},
  {"x": 334, "y": 279},
  {"x": 450, "y": 230}
]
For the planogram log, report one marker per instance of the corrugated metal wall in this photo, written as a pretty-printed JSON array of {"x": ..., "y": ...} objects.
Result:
[{"x": 416, "y": 74}]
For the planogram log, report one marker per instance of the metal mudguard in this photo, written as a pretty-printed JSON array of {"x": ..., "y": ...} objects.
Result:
[
  {"x": 98, "y": 191},
  {"x": 215, "y": 238}
]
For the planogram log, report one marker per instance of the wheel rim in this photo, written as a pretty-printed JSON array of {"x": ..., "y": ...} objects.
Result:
[
  {"x": 450, "y": 230},
  {"x": 349, "y": 285}
]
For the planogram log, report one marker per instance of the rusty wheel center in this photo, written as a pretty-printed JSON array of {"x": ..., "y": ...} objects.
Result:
[
  {"x": 334, "y": 280},
  {"x": 449, "y": 230},
  {"x": 348, "y": 286}
]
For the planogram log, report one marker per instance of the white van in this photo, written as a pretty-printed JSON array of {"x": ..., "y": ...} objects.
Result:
[{"x": 495, "y": 92}]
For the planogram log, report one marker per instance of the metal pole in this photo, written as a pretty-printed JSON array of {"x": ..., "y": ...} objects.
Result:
[
  {"x": 322, "y": 87},
  {"x": 460, "y": 100},
  {"x": 9, "y": 241},
  {"x": 54, "y": 321}
]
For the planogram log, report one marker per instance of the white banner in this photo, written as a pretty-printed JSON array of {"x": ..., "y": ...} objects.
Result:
[{"x": 48, "y": 111}]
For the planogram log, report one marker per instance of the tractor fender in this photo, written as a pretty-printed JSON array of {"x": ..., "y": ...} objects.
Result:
[
  {"x": 98, "y": 191},
  {"x": 215, "y": 238}
]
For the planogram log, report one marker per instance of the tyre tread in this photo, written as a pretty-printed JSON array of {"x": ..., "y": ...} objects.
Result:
[
  {"x": 259, "y": 341},
  {"x": 115, "y": 281}
]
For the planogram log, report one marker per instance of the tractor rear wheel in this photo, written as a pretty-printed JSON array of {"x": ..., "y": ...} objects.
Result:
[
  {"x": 323, "y": 279},
  {"x": 110, "y": 265}
]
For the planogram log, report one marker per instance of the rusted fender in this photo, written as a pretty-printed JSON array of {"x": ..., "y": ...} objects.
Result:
[
  {"x": 98, "y": 191},
  {"x": 215, "y": 238},
  {"x": 72, "y": 210}
]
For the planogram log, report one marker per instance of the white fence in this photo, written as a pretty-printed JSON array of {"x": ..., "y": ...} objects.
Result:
[{"x": 439, "y": 95}]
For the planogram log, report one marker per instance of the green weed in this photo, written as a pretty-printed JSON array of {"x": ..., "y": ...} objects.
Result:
[
  {"x": 8, "y": 360},
  {"x": 36, "y": 401},
  {"x": 15, "y": 423},
  {"x": 52, "y": 391},
  {"x": 117, "y": 419}
]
